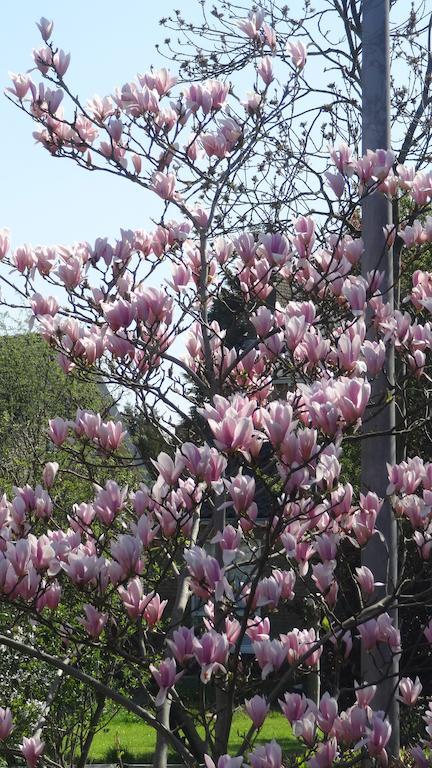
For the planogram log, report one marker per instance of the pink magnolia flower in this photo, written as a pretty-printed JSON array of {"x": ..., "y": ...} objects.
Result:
[
  {"x": 257, "y": 708},
  {"x": 328, "y": 468},
  {"x": 61, "y": 63},
  {"x": 364, "y": 168},
  {"x": 70, "y": 271},
  {"x": 54, "y": 99},
  {"x": 110, "y": 435},
  {"x": 160, "y": 79},
  {"x": 6, "y": 723},
  {"x": 327, "y": 713},
  {"x": 294, "y": 706},
  {"x": 126, "y": 551},
  {"x": 208, "y": 576},
  {"x": 342, "y": 158},
  {"x": 118, "y": 314},
  {"x": 198, "y": 97},
  {"x": 133, "y": 597},
  {"x": 268, "y": 592},
  {"x": 232, "y": 433},
  {"x": 265, "y": 70},
  {"x": 45, "y": 27},
  {"x": 325, "y": 755},
  {"x": 41, "y": 504},
  {"x": 109, "y": 502},
  {"x": 232, "y": 630},
  {"x": 94, "y": 620},
  {"x": 304, "y": 238},
  {"x": 307, "y": 640},
  {"x": 87, "y": 424},
  {"x": 154, "y": 609},
  {"x": 412, "y": 236},
  {"x": 298, "y": 53},
  {"x": 379, "y": 630},
  {"x": 218, "y": 91},
  {"x": 295, "y": 329},
  {"x": 363, "y": 524},
  {"x": 270, "y": 655},
  {"x": 165, "y": 677},
  {"x": 115, "y": 129},
  {"x": 262, "y": 321},
  {"x": 366, "y": 581},
  {"x": 374, "y": 355},
  {"x": 58, "y": 430},
  {"x": 406, "y": 476},
  {"x": 378, "y": 736},
  {"x": 137, "y": 163},
  {"x": 224, "y": 761},
  {"x": 24, "y": 258},
  {"x": 229, "y": 541},
  {"x": 267, "y": 756},
  {"x": 181, "y": 644},
  {"x": 305, "y": 728},
  {"x": 44, "y": 305},
  {"x": 242, "y": 492},
  {"x": 324, "y": 578},
  {"x": 43, "y": 59},
  {"x": 421, "y": 188},
  {"x": 269, "y": 35},
  {"x": 351, "y": 724},
  {"x": 337, "y": 183},
  {"x": 145, "y": 529},
  {"x": 382, "y": 161},
  {"x": 49, "y": 473},
  {"x": 32, "y": 749},
  {"x": 21, "y": 85},
  {"x": 420, "y": 758},
  {"x": 251, "y": 26},
  {"x": 211, "y": 652},
  {"x": 353, "y": 250},
  {"x": 409, "y": 690},
  {"x": 354, "y": 289},
  {"x": 82, "y": 568},
  {"x": 428, "y": 632},
  {"x": 169, "y": 470},
  {"x": 164, "y": 185},
  {"x": 258, "y": 628},
  {"x": 286, "y": 581},
  {"x": 50, "y": 597},
  {"x": 215, "y": 145},
  {"x": 4, "y": 243},
  {"x": 278, "y": 422},
  {"x": 275, "y": 248},
  {"x": 252, "y": 102},
  {"x": 326, "y": 546},
  {"x": 181, "y": 276}
]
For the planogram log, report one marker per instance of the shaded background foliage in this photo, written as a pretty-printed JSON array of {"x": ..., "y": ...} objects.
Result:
[{"x": 33, "y": 389}]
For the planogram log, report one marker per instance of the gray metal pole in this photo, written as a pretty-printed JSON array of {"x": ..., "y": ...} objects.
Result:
[{"x": 380, "y": 555}]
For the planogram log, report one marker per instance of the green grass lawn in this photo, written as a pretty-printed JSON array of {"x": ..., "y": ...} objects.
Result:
[{"x": 136, "y": 740}]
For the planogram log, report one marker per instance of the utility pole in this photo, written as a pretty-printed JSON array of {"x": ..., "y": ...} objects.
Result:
[{"x": 380, "y": 554}]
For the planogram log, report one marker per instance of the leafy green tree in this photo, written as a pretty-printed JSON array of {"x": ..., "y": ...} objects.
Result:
[
  {"x": 147, "y": 438},
  {"x": 33, "y": 387}
]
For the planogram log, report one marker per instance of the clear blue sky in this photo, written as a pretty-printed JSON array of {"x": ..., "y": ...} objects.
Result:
[{"x": 45, "y": 200}]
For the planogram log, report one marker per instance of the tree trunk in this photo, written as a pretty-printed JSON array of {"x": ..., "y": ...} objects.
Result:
[
  {"x": 160, "y": 759},
  {"x": 94, "y": 721}
]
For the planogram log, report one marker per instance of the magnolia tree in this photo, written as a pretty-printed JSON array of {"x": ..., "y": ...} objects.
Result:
[{"x": 257, "y": 510}]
